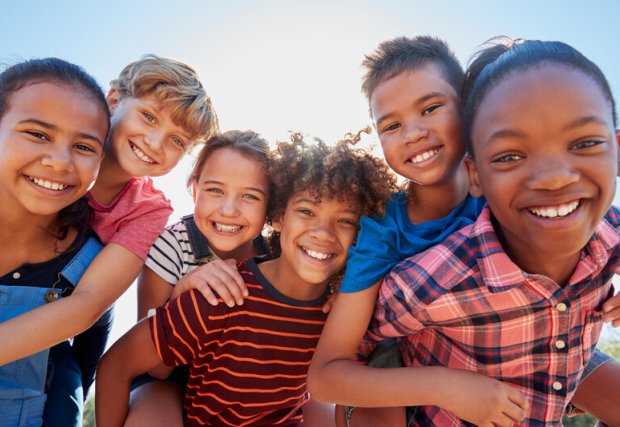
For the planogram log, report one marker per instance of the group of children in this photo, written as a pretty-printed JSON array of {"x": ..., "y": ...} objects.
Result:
[{"x": 474, "y": 294}]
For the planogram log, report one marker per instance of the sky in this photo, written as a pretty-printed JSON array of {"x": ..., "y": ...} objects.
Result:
[{"x": 279, "y": 66}]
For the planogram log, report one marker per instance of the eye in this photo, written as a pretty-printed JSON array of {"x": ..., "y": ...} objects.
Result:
[
  {"x": 214, "y": 190},
  {"x": 391, "y": 127},
  {"x": 149, "y": 117},
  {"x": 507, "y": 158},
  {"x": 305, "y": 211},
  {"x": 430, "y": 109},
  {"x": 84, "y": 147},
  {"x": 178, "y": 141},
  {"x": 250, "y": 197},
  {"x": 586, "y": 144},
  {"x": 38, "y": 135},
  {"x": 348, "y": 221}
]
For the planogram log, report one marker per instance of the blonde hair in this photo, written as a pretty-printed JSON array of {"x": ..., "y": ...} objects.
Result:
[{"x": 176, "y": 86}]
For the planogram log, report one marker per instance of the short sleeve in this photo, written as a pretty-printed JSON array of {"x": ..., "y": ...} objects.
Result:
[
  {"x": 373, "y": 255},
  {"x": 165, "y": 257},
  {"x": 135, "y": 217},
  {"x": 178, "y": 328}
]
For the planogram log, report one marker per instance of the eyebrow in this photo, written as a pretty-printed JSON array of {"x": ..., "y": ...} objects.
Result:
[
  {"x": 583, "y": 121},
  {"x": 313, "y": 202},
  {"x": 53, "y": 127},
  {"x": 213, "y": 181},
  {"x": 420, "y": 100}
]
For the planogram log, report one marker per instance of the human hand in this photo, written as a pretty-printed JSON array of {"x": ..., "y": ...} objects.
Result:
[
  {"x": 480, "y": 399},
  {"x": 329, "y": 303},
  {"x": 217, "y": 277},
  {"x": 611, "y": 310}
]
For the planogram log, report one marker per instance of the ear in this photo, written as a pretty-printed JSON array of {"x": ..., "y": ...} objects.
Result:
[
  {"x": 474, "y": 183},
  {"x": 113, "y": 98},
  {"x": 276, "y": 224},
  {"x": 618, "y": 150},
  {"x": 193, "y": 191}
]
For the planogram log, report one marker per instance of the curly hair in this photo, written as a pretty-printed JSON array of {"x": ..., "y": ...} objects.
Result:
[{"x": 340, "y": 171}]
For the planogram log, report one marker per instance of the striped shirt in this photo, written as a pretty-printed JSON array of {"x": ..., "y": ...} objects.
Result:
[
  {"x": 464, "y": 304},
  {"x": 181, "y": 248},
  {"x": 248, "y": 364}
]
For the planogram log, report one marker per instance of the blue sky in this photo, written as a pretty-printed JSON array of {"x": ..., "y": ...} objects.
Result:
[{"x": 274, "y": 66}]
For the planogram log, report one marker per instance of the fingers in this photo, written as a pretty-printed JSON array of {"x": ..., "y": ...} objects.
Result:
[
  {"x": 216, "y": 279},
  {"x": 329, "y": 303},
  {"x": 611, "y": 310}
]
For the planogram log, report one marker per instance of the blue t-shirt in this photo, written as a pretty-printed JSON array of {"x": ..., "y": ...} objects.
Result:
[{"x": 384, "y": 242}]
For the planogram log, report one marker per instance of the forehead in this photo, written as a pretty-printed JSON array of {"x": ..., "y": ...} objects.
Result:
[
  {"x": 409, "y": 85},
  {"x": 326, "y": 200},
  {"x": 542, "y": 97}
]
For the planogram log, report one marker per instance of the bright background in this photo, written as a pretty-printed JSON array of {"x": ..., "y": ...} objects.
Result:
[{"x": 274, "y": 66}]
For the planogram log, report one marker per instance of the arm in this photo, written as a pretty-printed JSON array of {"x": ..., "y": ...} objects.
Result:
[
  {"x": 597, "y": 394},
  {"x": 335, "y": 377},
  {"x": 133, "y": 354},
  {"x": 107, "y": 277}
]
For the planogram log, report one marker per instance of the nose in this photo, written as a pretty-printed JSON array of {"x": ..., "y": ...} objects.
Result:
[
  {"x": 59, "y": 158},
  {"x": 552, "y": 173},
  {"x": 415, "y": 131},
  {"x": 229, "y": 206},
  {"x": 155, "y": 140},
  {"x": 323, "y": 231}
]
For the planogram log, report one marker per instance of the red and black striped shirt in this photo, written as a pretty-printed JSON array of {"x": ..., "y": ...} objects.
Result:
[{"x": 248, "y": 364}]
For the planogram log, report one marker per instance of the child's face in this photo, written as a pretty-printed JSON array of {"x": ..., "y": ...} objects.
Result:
[
  {"x": 144, "y": 140},
  {"x": 315, "y": 237},
  {"x": 417, "y": 119},
  {"x": 51, "y": 140},
  {"x": 231, "y": 198},
  {"x": 546, "y": 159}
]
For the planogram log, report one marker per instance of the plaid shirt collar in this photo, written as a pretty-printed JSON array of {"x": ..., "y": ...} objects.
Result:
[{"x": 492, "y": 255}]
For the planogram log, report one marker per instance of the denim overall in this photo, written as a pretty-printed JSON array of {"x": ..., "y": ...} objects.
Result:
[{"x": 22, "y": 382}]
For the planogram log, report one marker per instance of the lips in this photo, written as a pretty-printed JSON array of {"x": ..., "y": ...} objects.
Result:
[
  {"x": 555, "y": 211},
  {"x": 140, "y": 154},
  {"x": 420, "y": 157},
  {"x": 320, "y": 256},
  {"x": 49, "y": 185},
  {"x": 226, "y": 228}
]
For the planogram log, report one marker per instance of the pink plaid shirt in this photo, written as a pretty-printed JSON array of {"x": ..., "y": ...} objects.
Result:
[{"x": 464, "y": 304}]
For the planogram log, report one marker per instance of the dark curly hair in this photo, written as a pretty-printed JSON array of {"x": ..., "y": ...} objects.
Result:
[{"x": 339, "y": 171}]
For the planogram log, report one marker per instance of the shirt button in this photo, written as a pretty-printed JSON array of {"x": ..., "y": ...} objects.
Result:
[
  {"x": 561, "y": 306},
  {"x": 559, "y": 344},
  {"x": 557, "y": 386},
  {"x": 16, "y": 275}
]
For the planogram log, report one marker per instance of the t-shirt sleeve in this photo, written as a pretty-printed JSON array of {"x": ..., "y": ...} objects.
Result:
[
  {"x": 373, "y": 255},
  {"x": 165, "y": 257},
  {"x": 133, "y": 220},
  {"x": 179, "y": 328}
]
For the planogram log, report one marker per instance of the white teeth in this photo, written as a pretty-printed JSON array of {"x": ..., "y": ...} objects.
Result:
[
  {"x": 141, "y": 155},
  {"x": 227, "y": 228},
  {"x": 318, "y": 255},
  {"x": 424, "y": 156},
  {"x": 48, "y": 184},
  {"x": 557, "y": 211}
]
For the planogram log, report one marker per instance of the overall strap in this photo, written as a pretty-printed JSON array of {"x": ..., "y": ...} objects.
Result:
[{"x": 75, "y": 268}]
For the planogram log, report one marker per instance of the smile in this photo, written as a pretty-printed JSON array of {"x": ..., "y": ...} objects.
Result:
[
  {"x": 418, "y": 158},
  {"x": 226, "y": 228},
  {"x": 317, "y": 255},
  {"x": 48, "y": 184},
  {"x": 140, "y": 154},
  {"x": 558, "y": 211}
]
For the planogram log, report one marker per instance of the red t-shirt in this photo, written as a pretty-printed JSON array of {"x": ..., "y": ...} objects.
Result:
[{"x": 134, "y": 219}]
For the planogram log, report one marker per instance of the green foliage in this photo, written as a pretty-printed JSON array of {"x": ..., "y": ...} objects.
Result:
[{"x": 88, "y": 419}]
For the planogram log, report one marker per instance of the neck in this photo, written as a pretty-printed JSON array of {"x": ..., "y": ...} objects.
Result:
[
  {"x": 282, "y": 278},
  {"x": 429, "y": 202},
  {"x": 553, "y": 264},
  {"x": 243, "y": 252},
  {"x": 110, "y": 181}
]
